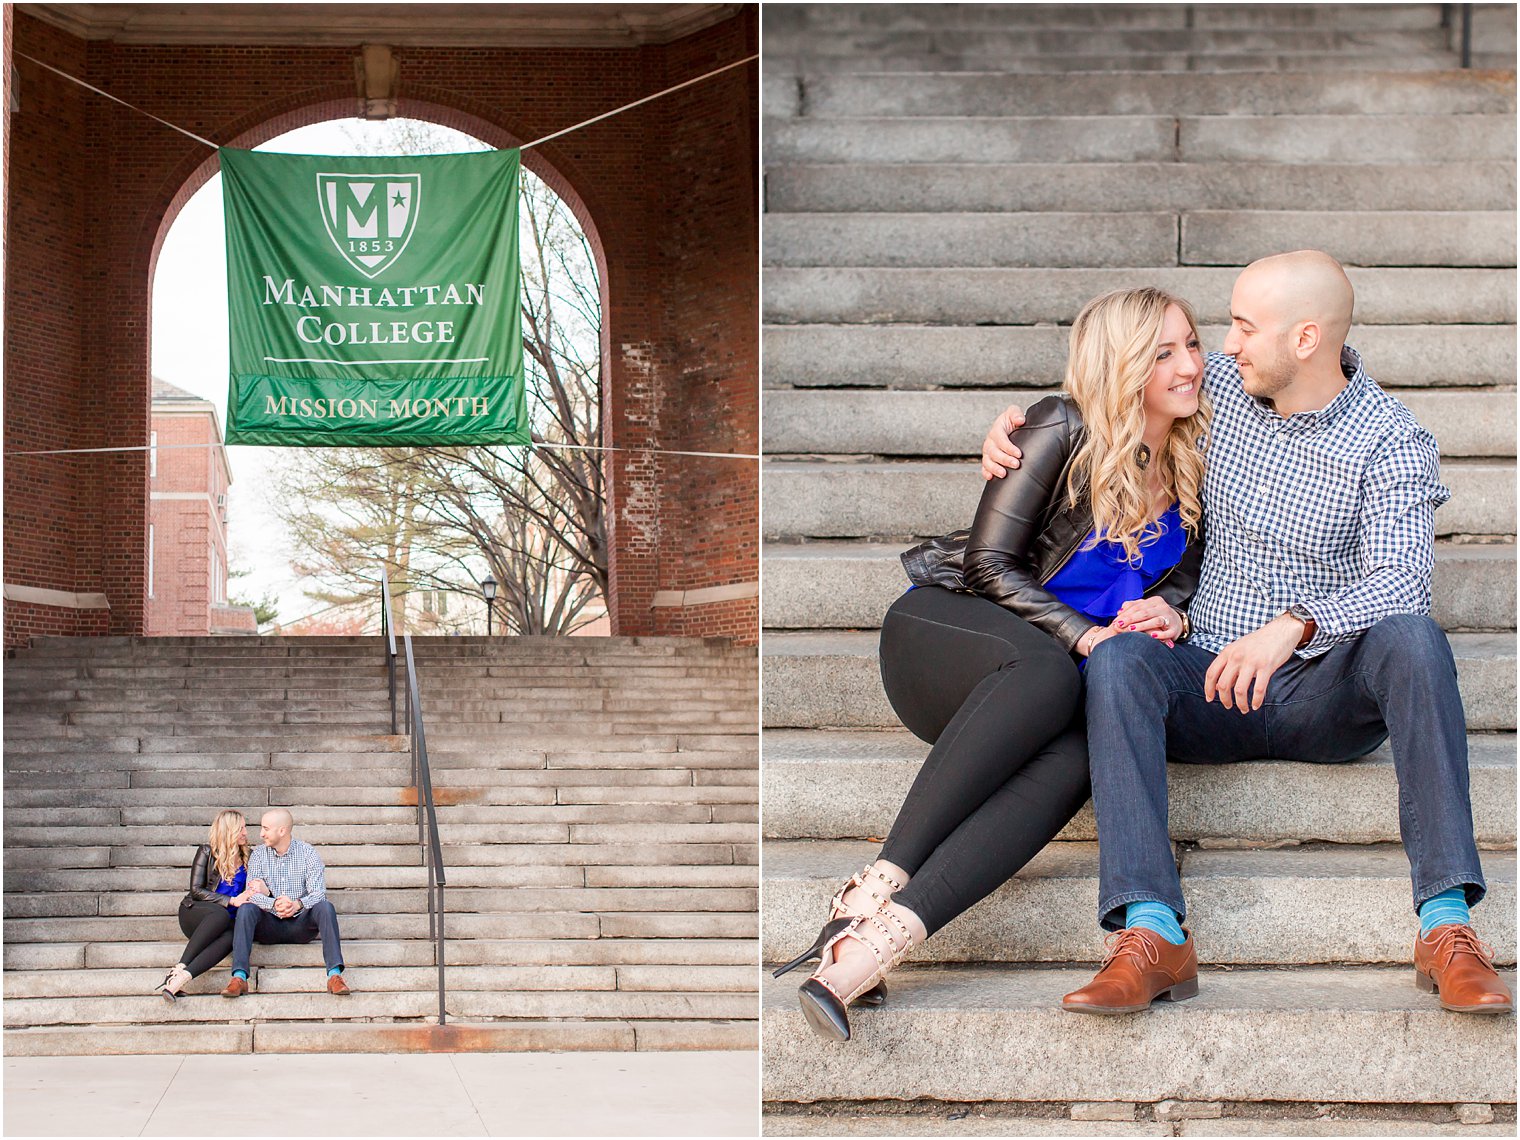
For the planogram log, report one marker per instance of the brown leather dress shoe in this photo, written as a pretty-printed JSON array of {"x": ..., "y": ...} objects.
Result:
[
  {"x": 336, "y": 985},
  {"x": 236, "y": 987},
  {"x": 1140, "y": 967},
  {"x": 1451, "y": 963}
]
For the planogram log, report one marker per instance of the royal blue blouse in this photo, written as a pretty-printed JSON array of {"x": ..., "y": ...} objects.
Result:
[
  {"x": 234, "y": 888},
  {"x": 1098, "y": 581}
]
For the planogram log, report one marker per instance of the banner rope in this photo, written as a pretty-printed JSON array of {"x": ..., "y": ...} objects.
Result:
[
  {"x": 532, "y": 446},
  {"x": 640, "y": 102},
  {"x": 123, "y": 102},
  {"x": 525, "y": 146}
]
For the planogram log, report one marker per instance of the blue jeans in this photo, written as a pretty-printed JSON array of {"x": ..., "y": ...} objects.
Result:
[
  {"x": 255, "y": 925},
  {"x": 1396, "y": 681}
]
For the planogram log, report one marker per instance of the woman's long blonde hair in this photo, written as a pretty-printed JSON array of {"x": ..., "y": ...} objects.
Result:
[
  {"x": 1113, "y": 356},
  {"x": 227, "y": 849}
]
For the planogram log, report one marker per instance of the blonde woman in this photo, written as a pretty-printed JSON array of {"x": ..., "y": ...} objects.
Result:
[
  {"x": 1097, "y": 533},
  {"x": 218, "y": 886}
]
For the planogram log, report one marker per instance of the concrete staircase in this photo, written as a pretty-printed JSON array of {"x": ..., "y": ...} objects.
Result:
[
  {"x": 945, "y": 185},
  {"x": 598, "y": 815}
]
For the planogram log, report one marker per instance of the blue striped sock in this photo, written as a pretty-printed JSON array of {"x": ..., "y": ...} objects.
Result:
[
  {"x": 240, "y": 974},
  {"x": 335, "y": 970},
  {"x": 1450, "y": 906},
  {"x": 1157, "y": 917}
]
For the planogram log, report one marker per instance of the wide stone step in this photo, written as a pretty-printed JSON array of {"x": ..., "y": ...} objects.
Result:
[
  {"x": 835, "y": 784},
  {"x": 990, "y": 94},
  {"x": 80, "y": 956},
  {"x": 371, "y": 854},
  {"x": 992, "y": 43},
  {"x": 151, "y": 1009},
  {"x": 180, "y": 816},
  {"x": 529, "y": 925},
  {"x": 924, "y": 356},
  {"x": 1052, "y": 295},
  {"x": 862, "y": 500},
  {"x": 1139, "y": 238},
  {"x": 1477, "y": 423},
  {"x": 487, "y": 903},
  {"x": 393, "y": 979},
  {"x": 997, "y": 1033},
  {"x": 957, "y": 186},
  {"x": 322, "y": 1036},
  {"x": 843, "y": 585},
  {"x": 832, "y": 680},
  {"x": 1289, "y": 907},
  {"x": 1178, "y": 19},
  {"x": 1299, "y": 62},
  {"x": 891, "y": 149},
  {"x": 319, "y": 834},
  {"x": 339, "y": 793}
]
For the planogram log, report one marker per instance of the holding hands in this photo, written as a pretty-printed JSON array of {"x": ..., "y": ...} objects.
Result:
[
  {"x": 1150, "y": 615},
  {"x": 286, "y": 907}
]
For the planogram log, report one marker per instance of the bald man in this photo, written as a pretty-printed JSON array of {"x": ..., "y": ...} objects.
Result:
[
  {"x": 1308, "y": 638},
  {"x": 295, "y": 909}
]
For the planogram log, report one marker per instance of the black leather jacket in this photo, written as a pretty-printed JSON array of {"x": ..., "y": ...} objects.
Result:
[
  {"x": 204, "y": 878},
  {"x": 1025, "y": 531}
]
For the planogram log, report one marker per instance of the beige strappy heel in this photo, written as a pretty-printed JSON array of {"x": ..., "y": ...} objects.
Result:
[
  {"x": 827, "y": 1010},
  {"x": 867, "y": 879}
]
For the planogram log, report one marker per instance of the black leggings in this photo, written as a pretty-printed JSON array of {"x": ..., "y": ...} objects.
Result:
[
  {"x": 208, "y": 925},
  {"x": 1002, "y": 704}
]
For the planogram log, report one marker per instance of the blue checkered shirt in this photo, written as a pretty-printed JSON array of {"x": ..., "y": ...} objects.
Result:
[
  {"x": 298, "y": 874},
  {"x": 1333, "y": 510}
]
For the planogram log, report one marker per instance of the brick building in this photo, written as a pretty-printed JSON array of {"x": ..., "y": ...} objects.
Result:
[
  {"x": 666, "y": 193},
  {"x": 188, "y": 478}
]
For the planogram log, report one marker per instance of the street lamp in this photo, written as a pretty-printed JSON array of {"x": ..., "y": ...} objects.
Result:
[{"x": 488, "y": 591}]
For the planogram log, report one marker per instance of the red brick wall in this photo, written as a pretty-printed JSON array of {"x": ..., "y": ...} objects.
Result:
[
  {"x": 94, "y": 186},
  {"x": 185, "y": 530}
]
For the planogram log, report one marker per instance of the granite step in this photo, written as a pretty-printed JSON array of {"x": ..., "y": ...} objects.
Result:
[
  {"x": 1476, "y": 238},
  {"x": 832, "y": 680},
  {"x": 993, "y": 43},
  {"x": 836, "y": 784},
  {"x": 961, "y": 185},
  {"x": 1244, "y": 148},
  {"x": 421, "y": 1035},
  {"x": 1467, "y": 423},
  {"x": 994, "y": 95},
  {"x": 1176, "y": 18},
  {"x": 1307, "y": 905},
  {"x": 835, "y": 295},
  {"x": 808, "y": 65},
  {"x": 387, "y": 1005},
  {"x": 876, "y": 499},
  {"x": 75, "y": 956},
  {"x": 915, "y": 356},
  {"x": 847, "y": 585},
  {"x": 997, "y": 1033}
]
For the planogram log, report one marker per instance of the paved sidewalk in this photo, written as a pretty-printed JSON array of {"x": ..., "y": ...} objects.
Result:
[{"x": 367, "y": 1094}]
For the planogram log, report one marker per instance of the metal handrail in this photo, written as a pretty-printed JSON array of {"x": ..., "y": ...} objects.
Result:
[
  {"x": 422, "y": 781},
  {"x": 427, "y": 820}
]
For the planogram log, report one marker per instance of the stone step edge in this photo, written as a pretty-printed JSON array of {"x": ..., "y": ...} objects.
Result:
[{"x": 424, "y": 1036}]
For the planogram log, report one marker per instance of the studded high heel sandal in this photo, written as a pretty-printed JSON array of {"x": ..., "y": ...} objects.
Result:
[
  {"x": 826, "y": 1009},
  {"x": 173, "y": 982},
  {"x": 840, "y": 916}
]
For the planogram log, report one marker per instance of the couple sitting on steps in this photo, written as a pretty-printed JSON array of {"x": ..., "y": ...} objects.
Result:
[
  {"x": 1085, "y": 626},
  {"x": 275, "y": 893}
]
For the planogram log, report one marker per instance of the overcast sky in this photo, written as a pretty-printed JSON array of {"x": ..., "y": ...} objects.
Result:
[{"x": 190, "y": 352}]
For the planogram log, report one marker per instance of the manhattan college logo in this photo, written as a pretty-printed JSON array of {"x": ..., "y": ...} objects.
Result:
[{"x": 370, "y": 217}]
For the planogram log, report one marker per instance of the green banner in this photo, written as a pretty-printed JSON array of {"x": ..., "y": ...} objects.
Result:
[{"x": 373, "y": 302}]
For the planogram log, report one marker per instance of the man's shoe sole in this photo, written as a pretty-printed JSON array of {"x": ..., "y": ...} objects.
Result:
[
  {"x": 1187, "y": 988},
  {"x": 1426, "y": 984}
]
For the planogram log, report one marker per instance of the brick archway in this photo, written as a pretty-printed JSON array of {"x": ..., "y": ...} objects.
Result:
[{"x": 666, "y": 193}]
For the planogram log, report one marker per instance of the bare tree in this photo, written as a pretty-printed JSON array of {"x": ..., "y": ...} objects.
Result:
[{"x": 534, "y": 518}]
